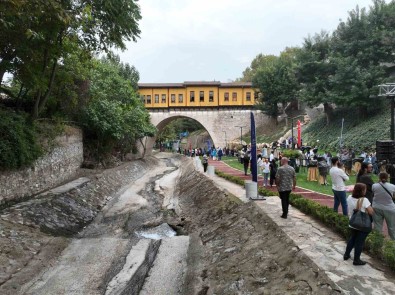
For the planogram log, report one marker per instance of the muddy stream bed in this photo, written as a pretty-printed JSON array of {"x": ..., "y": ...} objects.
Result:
[{"x": 234, "y": 248}]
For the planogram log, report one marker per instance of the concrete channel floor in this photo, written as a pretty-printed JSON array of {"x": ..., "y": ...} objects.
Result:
[{"x": 321, "y": 245}]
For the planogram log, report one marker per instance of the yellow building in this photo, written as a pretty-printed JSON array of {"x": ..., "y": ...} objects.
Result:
[{"x": 197, "y": 94}]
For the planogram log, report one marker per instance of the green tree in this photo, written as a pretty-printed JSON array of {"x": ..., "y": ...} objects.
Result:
[
  {"x": 360, "y": 46},
  {"x": 314, "y": 70},
  {"x": 277, "y": 83},
  {"x": 34, "y": 35},
  {"x": 259, "y": 62},
  {"x": 115, "y": 117}
]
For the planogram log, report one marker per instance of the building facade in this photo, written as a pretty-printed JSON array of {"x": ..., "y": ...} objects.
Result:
[{"x": 197, "y": 94}]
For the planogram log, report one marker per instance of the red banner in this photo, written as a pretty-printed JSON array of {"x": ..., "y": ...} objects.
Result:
[{"x": 299, "y": 135}]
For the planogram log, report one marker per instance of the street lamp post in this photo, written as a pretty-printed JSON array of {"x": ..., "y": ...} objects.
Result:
[
  {"x": 241, "y": 134},
  {"x": 226, "y": 143},
  {"x": 388, "y": 90}
]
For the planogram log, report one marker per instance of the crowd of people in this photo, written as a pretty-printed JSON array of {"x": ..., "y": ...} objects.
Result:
[{"x": 374, "y": 199}]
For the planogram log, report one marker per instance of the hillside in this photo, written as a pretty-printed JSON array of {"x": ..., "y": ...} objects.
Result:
[{"x": 359, "y": 134}]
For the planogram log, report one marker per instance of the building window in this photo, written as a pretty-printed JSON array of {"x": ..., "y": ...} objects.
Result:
[
  {"x": 143, "y": 98},
  {"x": 156, "y": 98},
  {"x": 163, "y": 98},
  {"x": 248, "y": 98},
  {"x": 192, "y": 97},
  {"x": 256, "y": 95},
  {"x": 201, "y": 96},
  {"x": 148, "y": 99},
  {"x": 234, "y": 96},
  {"x": 173, "y": 98},
  {"x": 226, "y": 96},
  {"x": 211, "y": 96},
  {"x": 180, "y": 98}
]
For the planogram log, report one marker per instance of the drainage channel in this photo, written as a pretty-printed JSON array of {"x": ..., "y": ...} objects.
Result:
[{"x": 156, "y": 263}]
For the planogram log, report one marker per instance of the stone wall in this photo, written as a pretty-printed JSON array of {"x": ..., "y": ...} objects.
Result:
[{"x": 49, "y": 171}]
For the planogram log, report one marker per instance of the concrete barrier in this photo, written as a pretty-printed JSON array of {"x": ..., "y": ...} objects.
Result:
[
  {"x": 210, "y": 170},
  {"x": 251, "y": 189}
]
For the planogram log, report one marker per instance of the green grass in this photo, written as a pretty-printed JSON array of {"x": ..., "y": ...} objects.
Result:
[{"x": 301, "y": 178}]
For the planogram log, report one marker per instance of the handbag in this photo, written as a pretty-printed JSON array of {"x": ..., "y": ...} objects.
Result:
[{"x": 360, "y": 220}]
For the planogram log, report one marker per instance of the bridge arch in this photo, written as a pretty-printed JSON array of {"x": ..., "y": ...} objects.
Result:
[{"x": 221, "y": 124}]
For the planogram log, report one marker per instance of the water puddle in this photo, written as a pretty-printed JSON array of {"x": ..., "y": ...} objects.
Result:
[{"x": 157, "y": 233}]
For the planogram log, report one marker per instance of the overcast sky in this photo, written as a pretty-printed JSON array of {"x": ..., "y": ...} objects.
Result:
[{"x": 205, "y": 40}]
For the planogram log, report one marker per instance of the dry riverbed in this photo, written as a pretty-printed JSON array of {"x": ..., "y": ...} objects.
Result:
[{"x": 234, "y": 247}]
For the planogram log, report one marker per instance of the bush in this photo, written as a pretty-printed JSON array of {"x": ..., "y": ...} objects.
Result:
[
  {"x": 374, "y": 243},
  {"x": 19, "y": 144},
  {"x": 389, "y": 253},
  {"x": 291, "y": 154}
]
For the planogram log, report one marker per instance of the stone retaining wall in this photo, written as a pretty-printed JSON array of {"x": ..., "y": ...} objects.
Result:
[{"x": 49, "y": 171}]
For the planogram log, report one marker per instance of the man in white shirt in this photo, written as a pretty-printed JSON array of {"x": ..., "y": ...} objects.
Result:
[{"x": 338, "y": 186}]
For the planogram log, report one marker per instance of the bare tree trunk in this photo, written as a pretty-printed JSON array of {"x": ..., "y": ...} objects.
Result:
[
  {"x": 144, "y": 146},
  {"x": 44, "y": 99},
  {"x": 363, "y": 112},
  {"x": 328, "y": 110}
]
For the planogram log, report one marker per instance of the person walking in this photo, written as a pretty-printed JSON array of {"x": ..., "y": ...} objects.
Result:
[
  {"x": 265, "y": 171},
  {"x": 246, "y": 160},
  {"x": 357, "y": 239},
  {"x": 273, "y": 171},
  {"x": 205, "y": 162},
  {"x": 338, "y": 187},
  {"x": 365, "y": 176},
  {"x": 383, "y": 205},
  {"x": 286, "y": 182}
]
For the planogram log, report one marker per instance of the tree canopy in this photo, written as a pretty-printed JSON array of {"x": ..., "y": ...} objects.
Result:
[{"x": 342, "y": 68}]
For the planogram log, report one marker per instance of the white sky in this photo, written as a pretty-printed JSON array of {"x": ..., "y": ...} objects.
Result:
[{"x": 205, "y": 40}]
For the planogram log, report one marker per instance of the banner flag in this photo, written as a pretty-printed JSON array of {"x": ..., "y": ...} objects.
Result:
[
  {"x": 254, "y": 168},
  {"x": 299, "y": 135}
]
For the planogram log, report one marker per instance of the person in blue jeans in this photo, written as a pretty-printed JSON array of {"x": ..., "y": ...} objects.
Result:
[
  {"x": 338, "y": 186},
  {"x": 357, "y": 239}
]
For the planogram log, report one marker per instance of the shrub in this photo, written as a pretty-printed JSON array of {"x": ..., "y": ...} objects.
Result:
[
  {"x": 292, "y": 154},
  {"x": 18, "y": 145},
  {"x": 374, "y": 243},
  {"x": 389, "y": 253}
]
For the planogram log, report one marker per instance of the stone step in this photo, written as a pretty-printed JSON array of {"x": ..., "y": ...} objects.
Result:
[
  {"x": 168, "y": 271},
  {"x": 137, "y": 265},
  {"x": 80, "y": 269}
]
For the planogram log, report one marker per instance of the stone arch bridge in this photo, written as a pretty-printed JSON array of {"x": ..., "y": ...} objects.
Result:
[{"x": 223, "y": 125}]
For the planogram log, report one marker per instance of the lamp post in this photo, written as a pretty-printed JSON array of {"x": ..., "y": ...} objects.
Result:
[
  {"x": 388, "y": 90},
  {"x": 226, "y": 143},
  {"x": 292, "y": 128},
  {"x": 241, "y": 134}
]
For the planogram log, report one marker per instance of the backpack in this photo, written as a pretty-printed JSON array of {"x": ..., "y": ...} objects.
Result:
[{"x": 205, "y": 161}]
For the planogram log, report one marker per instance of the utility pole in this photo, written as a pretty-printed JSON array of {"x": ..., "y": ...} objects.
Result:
[
  {"x": 241, "y": 134},
  {"x": 226, "y": 143},
  {"x": 388, "y": 90}
]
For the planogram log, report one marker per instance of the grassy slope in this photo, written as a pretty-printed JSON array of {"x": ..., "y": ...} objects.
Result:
[{"x": 359, "y": 134}]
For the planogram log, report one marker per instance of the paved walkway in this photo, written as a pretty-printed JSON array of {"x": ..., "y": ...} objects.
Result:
[
  {"x": 323, "y": 199},
  {"x": 320, "y": 244}
]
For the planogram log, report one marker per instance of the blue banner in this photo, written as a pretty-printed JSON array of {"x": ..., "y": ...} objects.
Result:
[{"x": 254, "y": 168}]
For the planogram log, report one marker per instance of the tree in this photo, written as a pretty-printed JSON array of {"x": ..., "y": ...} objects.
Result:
[
  {"x": 314, "y": 70},
  {"x": 277, "y": 83},
  {"x": 34, "y": 33},
  {"x": 360, "y": 46},
  {"x": 115, "y": 117},
  {"x": 259, "y": 62}
]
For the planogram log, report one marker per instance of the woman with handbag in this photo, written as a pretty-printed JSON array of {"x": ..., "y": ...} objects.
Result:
[
  {"x": 383, "y": 205},
  {"x": 358, "y": 207}
]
